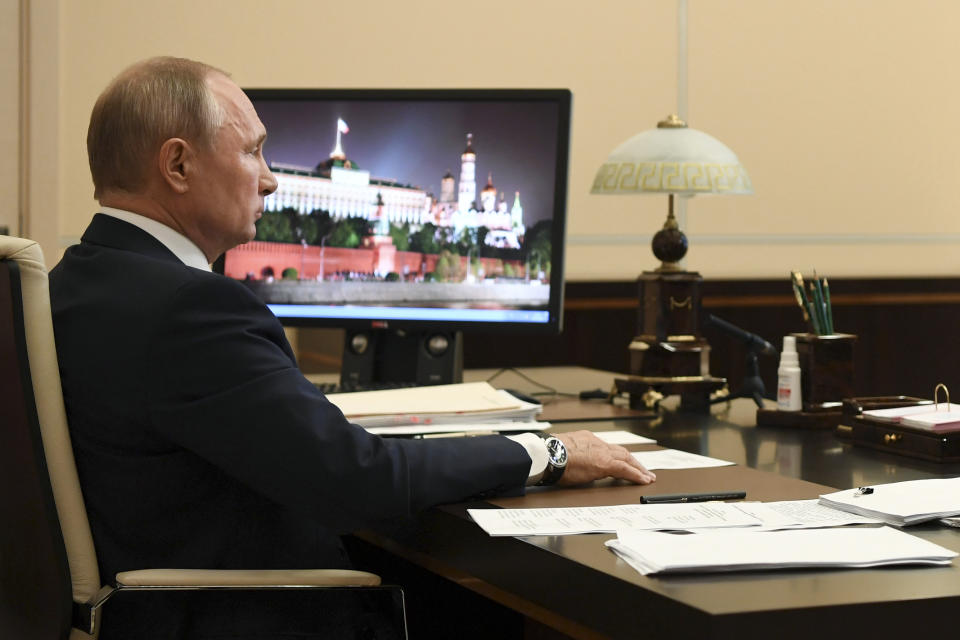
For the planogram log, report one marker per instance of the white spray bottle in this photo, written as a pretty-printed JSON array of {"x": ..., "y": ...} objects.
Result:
[{"x": 788, "y": 377}]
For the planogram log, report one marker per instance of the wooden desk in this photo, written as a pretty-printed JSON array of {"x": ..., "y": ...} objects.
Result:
[
  {"x": 567, "y": 382},
  {"x": 572, "y": 586}
]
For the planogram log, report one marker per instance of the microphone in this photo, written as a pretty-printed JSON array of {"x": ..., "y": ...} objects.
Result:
[{"x": 752, "y": 340}]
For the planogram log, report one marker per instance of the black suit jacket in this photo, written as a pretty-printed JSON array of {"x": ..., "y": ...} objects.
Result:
[{"x": 198, "y": 442}]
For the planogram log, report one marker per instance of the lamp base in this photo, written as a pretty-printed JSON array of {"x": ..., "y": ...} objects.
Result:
[
  {"x": 669, "y": 305},
  {"x": 644, "y": 392},
  {"x": 670, "y": 356}
]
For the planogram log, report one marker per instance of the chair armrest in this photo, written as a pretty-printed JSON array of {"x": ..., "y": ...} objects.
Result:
[
  {"x": 86, "y": 615},
  {"x": 246, "y": 578}
]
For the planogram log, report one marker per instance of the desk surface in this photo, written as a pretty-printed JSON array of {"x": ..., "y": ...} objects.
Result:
[
  {"x": 574, "y": 584},
  {"x": 558, "y": 388}
]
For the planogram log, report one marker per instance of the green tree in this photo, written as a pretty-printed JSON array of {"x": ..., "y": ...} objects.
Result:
[
  {"x": 485, "y": 251},
  {"x": 274, "y": 226},
  {"x": 289, "y": 274},
  {"x": 475, "y": 266},
  {"x": 309, "y": 229},
  {"x": 448, "y": 267},
  {"x": 538, "y": 246},
  {"x": 323, "y": 224},
  {"x": 425, "y": 240},
  {"x": 401, "y": 236},
  {"x": 343, "y": 235},
  {"x": 467, "y": 242},
  {"x": 441, "y": 271},
  {"x": 446, "y": 239},
  {"x": 361, "y": 226},
  {"x": 293, "y": 218}
]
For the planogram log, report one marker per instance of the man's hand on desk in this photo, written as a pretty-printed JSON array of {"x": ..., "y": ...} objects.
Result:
[{"x": 590, "y": 458}]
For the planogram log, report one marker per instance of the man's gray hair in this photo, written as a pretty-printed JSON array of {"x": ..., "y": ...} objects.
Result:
[{"x": 146, "y": 105}]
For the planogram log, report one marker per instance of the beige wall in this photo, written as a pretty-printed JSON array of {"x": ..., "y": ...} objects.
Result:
[
  {"x": 842, "y": 111},
  {"x": 9, "y": 113},
  {"x": 845, "y": 113}
]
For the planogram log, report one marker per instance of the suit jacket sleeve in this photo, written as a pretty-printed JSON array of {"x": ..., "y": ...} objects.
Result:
[{"x": 223, "y": 383}]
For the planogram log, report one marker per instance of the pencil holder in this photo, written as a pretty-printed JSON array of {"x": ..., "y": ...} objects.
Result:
[{"x": 826, "y": 369}]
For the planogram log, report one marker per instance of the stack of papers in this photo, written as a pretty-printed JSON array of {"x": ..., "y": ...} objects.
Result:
[
  {"x": 469, "y": 406},
  {"x": 901, "y": 503},
  {"x": 652, "y": 552},
  {"x": 896, "y": 413},
  {"x": 937, "y": 418}
]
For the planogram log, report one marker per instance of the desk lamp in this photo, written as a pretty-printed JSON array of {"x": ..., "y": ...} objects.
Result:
[{"x": 670, "y": 356}]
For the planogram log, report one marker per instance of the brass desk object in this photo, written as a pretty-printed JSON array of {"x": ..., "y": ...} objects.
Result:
[{"x": 670, "y": 356}]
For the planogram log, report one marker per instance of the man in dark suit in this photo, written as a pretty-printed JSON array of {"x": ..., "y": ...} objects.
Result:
[{"x": 198, "y": 442}]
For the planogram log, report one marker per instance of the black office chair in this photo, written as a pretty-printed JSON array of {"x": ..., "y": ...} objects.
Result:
[{"x": 49, "y": 583}]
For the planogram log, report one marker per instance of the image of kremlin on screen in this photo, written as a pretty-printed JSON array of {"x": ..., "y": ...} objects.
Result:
[{"x": 336, "y": 234}]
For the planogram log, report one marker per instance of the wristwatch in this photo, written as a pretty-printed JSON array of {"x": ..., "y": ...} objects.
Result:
[{"x": 556, "y": 460}]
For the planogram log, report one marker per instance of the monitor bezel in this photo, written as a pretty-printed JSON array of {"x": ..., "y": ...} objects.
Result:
[{"x": 563, "y": 98}]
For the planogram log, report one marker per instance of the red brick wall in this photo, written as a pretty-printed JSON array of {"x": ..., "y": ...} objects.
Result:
[{"x": 255, "y": 257}]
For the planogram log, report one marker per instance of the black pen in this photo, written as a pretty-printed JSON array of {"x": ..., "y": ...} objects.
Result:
[{"x": 693, "y": 497}]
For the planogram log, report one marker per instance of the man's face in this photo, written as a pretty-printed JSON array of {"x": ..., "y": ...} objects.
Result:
[{"x": 233, "y": 177}]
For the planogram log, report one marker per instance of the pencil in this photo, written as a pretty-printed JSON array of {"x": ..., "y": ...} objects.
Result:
[
  {"x": 819, "y": 297},
  {"x": 828, "y": 305},
  {"x": 813, "y": 319},
  {"x": 798, "y": 294},
  {"x": 816, "y": 310},
  {"x": 798, "y": 278},
  {"x": 802, "y": 298}
]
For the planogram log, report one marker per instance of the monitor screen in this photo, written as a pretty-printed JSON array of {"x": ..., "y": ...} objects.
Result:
[{"x": 411, "y": 208}]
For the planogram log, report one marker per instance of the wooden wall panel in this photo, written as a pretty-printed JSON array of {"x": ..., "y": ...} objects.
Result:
[{"x": 906, "y": 328}]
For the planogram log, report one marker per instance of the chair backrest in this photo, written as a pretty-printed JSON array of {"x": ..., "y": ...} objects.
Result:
[{"x": 47, "y": 556}]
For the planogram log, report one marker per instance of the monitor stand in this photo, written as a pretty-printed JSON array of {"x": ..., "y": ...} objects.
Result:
[{"x": 385, "y": 356}]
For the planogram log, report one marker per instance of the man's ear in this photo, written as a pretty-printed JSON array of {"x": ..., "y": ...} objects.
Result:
[{"x": 177, "y": 164}]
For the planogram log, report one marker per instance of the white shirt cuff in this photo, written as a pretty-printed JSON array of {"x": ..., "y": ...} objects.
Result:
[{"x": 536, "y": 449}]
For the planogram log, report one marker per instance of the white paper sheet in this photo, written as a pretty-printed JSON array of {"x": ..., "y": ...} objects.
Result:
[
  {"x": 673, "y": 459},
  {"x": 623, "y": 437},
  {"x": 800, "y": 514},
  {"x": 571, "y": 520},
  {"x": 465, "y": 428}
]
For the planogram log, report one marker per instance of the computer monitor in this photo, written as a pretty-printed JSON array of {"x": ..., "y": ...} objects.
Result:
[{"x": 409, "y": 215}]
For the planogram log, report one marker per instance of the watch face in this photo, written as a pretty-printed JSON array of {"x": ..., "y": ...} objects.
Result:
[{"x": 557, "y": 452}]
